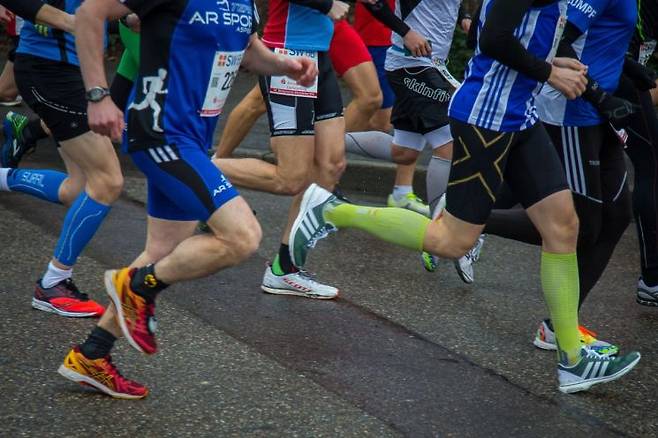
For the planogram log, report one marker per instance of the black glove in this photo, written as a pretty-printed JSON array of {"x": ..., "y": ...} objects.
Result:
[
  {"x": 643, "y": 77},
  {"x": 615, "y": 108}
]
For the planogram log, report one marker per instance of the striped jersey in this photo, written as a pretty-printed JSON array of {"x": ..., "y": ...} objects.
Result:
[
  {"x": 607, "y": 27},
  {"x": 294, "y": 26},
  {"x": 496, "y": 97}
]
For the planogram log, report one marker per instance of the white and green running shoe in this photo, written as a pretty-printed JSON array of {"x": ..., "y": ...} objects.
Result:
[
  {"x": 409, "y": 201},
  {"x": 310, "y": 224},
  {"x": 464, "y": 265},
  {"x": 592, "y": 369}
]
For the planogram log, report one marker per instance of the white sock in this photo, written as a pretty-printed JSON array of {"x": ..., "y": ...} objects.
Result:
[
  {"x": 4, "y": 173},
  {"x": 54, "y": 275},
  {"x": 400, "y": 192}
]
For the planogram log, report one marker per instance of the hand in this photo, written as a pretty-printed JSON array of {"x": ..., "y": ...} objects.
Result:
[
  {"x": 303, "y": 70},
  {"x": 466, "y": 24},
  {"x": 105, "y": 118},
  {"x": 570, "y": 63},
  {"x": 567, "y": 81},
  {"x": 133, "y": 22},
  {"x": 5, "y": 15},
  {"x": 417, "y": 44},
  {"x": 615, "y": 108},
  {"x": 338, "y": 10}
]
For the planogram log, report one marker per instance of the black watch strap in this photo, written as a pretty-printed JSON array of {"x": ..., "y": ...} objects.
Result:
[{"x": 96, "y": 94}]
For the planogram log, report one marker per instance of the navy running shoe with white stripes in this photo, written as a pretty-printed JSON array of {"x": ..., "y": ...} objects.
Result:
[{"x": 593, "y": 368}]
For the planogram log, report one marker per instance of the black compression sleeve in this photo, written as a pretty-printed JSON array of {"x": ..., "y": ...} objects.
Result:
[
  {"x": 497, "y": 39},
  {"x": 383, "y": 13},
  {"x": 593, "y": 93},
  {"x": 323, "y": 6},
  {"x": 27, "y": 9}
]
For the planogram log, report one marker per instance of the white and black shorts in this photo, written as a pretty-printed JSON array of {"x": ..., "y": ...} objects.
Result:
[
  {"x": 291, "y": 115},
  {"x": 420, "y": 111}
]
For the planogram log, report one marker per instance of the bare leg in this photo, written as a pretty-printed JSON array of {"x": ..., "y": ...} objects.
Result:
[{"x": 240, "y": 121}]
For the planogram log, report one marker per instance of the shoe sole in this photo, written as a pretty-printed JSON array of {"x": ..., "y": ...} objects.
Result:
[
  {"x": 303, "y": 210},
  {"x": 47, "y": 307},
  {"x": 544, "y": 345},
  {"x": 650, "y": 302},
  {"x": 584, "y": 386},
  {"x": 114, "y": 296},
  {"x": 275, "y": 291},
  {"x": 86, "y": 380},
  {"x": 460, "y": 272}
]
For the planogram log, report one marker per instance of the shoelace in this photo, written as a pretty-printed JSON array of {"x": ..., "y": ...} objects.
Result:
[
  {"x": 70, "y": 285},
  {"x": 320, "y": 234},
  {"x": 591, "y": 354}
]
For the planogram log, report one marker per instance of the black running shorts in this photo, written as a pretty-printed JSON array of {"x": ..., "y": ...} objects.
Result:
[
  {"x": 422, "y": 97},
  {"x": 483, "y": 159},
  {"x": 55, "y": 91},
  {"x": 290, "y": 115}
]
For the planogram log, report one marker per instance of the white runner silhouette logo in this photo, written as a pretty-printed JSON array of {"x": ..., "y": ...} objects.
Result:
[{"x": 152, "y": 86}]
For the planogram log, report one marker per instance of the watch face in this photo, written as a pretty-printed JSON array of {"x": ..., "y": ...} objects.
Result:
[{"x": 96, "y": 94}]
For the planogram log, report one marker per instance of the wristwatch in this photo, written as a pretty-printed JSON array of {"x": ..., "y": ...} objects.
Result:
[{"x": 96, "y": 94}]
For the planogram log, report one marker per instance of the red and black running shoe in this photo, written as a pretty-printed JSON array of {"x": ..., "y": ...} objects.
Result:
[{"x": 65, "y": 299}]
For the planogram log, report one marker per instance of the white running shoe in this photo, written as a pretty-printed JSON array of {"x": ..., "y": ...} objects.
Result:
[
  {"x": 298, "y": 283},
  {"x": 464, "y": 265},
  {"x": 410, "y": 202}
]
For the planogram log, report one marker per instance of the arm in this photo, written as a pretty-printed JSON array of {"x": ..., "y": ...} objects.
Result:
[
  {"x": 464, "y": 19},
  {"x": 37, "y": 11},
  {"x": 497, "y": 39},
  {"x": 383, "y": 13},
  {"x": 104, "y": 117},
  {"x": 259, "y": 59},
  {"x": 610, "y": 106},
  {"x": 415, "y": 42}
]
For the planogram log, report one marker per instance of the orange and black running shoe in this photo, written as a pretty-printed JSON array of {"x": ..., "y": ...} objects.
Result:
[
  {"x": 100, "y": 374},
  {"x": 65, "y": 299},
  {"x": 136, "y": 316}
]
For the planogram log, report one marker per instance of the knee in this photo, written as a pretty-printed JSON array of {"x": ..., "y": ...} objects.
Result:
[
  {"x": 564, "y": 228},
  {"x": 370, "y": 102},
  {"x": 246, "y": 240},
  {"x": 402, "y": 155},
  {"x": 292, "y": 186},
  {"x": 105, "y": 188}
]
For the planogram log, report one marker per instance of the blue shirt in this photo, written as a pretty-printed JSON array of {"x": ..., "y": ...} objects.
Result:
[
  {"x": 494, "y": 96},
  {"x": 607, "y": 27},
  {"x": 190, "y": 54},
  {"x": 57, "y": 45}
]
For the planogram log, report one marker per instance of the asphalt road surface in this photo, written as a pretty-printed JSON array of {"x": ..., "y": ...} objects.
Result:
[{"x": 401, "y": 353}]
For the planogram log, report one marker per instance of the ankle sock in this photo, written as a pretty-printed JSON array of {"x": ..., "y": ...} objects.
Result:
[
  {"x": 400, "y": 192},
  {"x": 99, "y": 343},
  {"x": 54, "y": 275},
  {"x": 145, "y": 284},
  {"x": 282, "y": 263}
]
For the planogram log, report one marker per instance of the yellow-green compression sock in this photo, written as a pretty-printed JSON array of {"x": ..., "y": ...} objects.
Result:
[
  {"x": 394, "y": 225},
  {"x": 559, "y": 280}
]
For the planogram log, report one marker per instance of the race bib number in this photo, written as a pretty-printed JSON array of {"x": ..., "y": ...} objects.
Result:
[
  {"x": 224, "y": 71},
  {"x": 559, "y": 30},
  {"x": 289, "y": 87},
  {"x": 443, "y": 69},
  {"x": 646, "y": 51}
]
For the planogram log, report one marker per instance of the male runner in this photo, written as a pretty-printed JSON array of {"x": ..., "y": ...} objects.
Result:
[
  {"x": 48, "y": 77},
  {"x": 307, "y": 130},
  {"x": 494, "y": 122},
  {"x": 590, "y": 150},
  {"x": 201, "y": 58}
]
